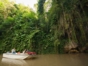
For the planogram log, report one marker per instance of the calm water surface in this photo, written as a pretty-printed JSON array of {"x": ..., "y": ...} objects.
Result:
[{"x": 49, "y": 60}]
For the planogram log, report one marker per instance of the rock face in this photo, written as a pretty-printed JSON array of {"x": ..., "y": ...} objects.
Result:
[{"x": 71, "y": 47}]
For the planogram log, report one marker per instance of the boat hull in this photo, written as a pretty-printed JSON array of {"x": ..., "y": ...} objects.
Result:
[{"x": 15, "y": 56}]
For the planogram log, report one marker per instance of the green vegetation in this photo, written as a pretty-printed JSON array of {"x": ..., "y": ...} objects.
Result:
[{"x": 56, "y": 24}]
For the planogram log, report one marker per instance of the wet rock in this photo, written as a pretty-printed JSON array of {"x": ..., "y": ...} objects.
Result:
[{"x": 71, "y": 47}]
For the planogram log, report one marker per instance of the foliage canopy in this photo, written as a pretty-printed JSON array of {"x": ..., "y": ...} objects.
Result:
[{"x": 56, "y": 24}]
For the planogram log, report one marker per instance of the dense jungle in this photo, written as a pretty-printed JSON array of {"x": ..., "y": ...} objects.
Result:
[{"x": 58, "y": 26}]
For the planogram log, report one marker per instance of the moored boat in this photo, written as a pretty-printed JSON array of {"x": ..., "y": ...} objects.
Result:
[
  {"x": 16, "y": 56},
  {"x": 24, "y": 55}
]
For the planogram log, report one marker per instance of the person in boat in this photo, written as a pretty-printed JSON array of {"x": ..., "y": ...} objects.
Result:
[
  {"x": 24, "y": 51},
  {"x": 30, "y": 53},
  {"x": 13, "y": 51}
]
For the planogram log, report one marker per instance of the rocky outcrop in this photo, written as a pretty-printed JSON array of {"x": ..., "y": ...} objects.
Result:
[{"x": 71, "y": 47}]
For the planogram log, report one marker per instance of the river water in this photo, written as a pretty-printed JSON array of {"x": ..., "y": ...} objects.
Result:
[{"x": 49, "y": 60}]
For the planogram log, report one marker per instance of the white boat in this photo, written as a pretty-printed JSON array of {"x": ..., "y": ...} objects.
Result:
[{"x": 16, "y": 56}]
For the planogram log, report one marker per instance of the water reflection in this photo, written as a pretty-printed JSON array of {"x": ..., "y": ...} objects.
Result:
[
  {"x": 49, "y": 60},
  {"x": 13, "y": 62}
]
